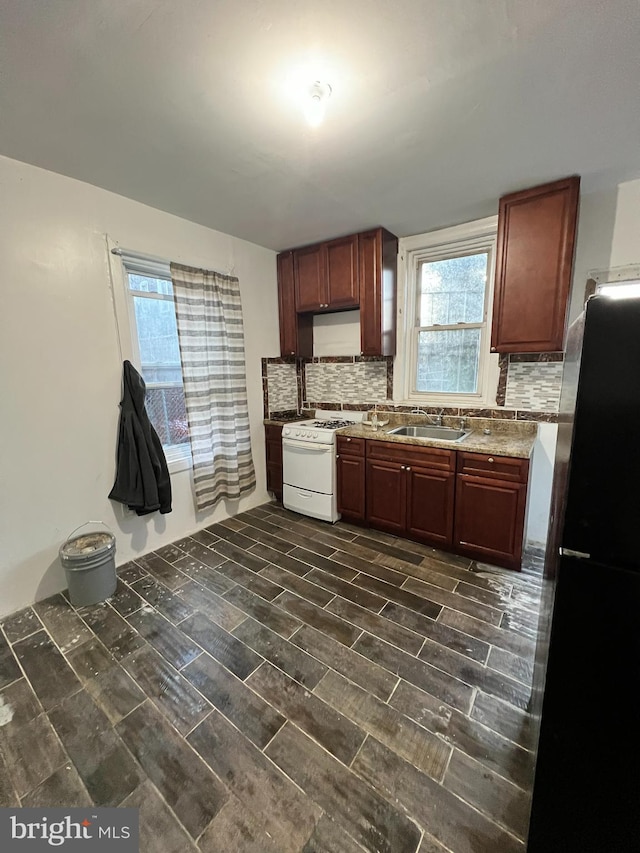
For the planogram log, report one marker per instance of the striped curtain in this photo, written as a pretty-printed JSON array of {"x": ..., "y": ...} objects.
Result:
[{"x": 211, "y": 335}]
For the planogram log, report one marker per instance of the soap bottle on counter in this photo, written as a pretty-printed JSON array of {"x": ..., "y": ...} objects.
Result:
[{"x": 374, "y": 421}]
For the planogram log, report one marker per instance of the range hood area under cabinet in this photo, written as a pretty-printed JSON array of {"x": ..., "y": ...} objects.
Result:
[{"x": 357, "y": 271}]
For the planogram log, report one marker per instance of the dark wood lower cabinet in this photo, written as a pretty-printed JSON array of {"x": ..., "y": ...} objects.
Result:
[
  {"x": 470, "y": 503},
  {"x": 410, "y": 491},
  {"x": 490, "y": 508},
  {"x": 429, "y": 512},
  {"x": 273, "y": 448},
  {"x": 351, "y": 478},
  {"x": 386, "y": 495}
]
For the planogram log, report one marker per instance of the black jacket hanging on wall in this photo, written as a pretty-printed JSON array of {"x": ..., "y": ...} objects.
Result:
[{"x": 142, "y": 476}]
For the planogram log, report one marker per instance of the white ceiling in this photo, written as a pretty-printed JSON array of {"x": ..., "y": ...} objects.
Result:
[{"x": 438, "y": 106}]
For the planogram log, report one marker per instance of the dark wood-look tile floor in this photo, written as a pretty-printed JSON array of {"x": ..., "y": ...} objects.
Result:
[{"x": 280, "y": 685}]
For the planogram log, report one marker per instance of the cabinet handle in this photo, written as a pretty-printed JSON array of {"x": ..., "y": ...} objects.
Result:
[
  {"x": 292, "y": 352},
  {"x": 402, "y": 467},
  {"x": 408, "y": 468},
  {"x": 348, "y": 439},
  {"x": 493, "y": 349},
  {"x": 490, "y": 459},
  {"x": 337, "y": 456}
]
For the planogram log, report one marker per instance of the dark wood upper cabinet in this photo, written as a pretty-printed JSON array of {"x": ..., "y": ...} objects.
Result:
[
  {"x": 341, "y": 263},
  {"x": 296, "y": 330},
  {"x": 377, "y": 263},
  {"x": 309, "y": 277},
  {"x": 535, "y": 248},
  {"x": 338, "y": 275},
  {"x": 326, "y": 276}
]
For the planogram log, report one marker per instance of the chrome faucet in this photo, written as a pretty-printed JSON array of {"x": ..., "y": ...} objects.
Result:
[{"x": 438, "y": 417}]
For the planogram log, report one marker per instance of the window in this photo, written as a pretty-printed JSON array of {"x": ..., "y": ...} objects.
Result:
[
  {"x": 451, "y": 300},
  {"x": 149, "y": 339},
  {"x": 159, "y": 356},
  {"x": 448, "y": 281}
]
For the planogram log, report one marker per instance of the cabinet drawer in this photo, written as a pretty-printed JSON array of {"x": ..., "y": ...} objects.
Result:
[
  {"x": 498, "y": 467},
  {"x": 409, "y": 454},
  {"x": 346, "y": 444}
]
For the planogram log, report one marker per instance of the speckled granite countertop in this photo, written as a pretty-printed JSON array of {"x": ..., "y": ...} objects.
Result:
[
  {"x": 280, "y": 422},
  {"x": 506, "y": 437}
]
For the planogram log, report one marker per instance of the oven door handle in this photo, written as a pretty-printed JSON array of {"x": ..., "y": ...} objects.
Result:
[{"x": 306, "y": 445}]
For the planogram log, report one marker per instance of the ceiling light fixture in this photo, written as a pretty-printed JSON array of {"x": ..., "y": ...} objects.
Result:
[{"x": 316, "y": 102}]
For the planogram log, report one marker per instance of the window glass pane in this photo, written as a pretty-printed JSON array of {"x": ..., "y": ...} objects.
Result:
[
  {"x": 448, "y": 361},
  {"x": 452, "y": 291},
  {"x": 157, "y": 338},
  {"x": 150, "y": 285},
  {"x": 165, "y": 407},
  {"x": 160, "y": 366}
]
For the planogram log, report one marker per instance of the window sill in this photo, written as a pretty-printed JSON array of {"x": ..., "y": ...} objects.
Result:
[
  {"x": 434, "y": 402},
  {"x": 177, "y": 462}
]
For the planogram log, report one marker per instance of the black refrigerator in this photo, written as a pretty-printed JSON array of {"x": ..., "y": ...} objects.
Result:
[{"x": 586, "y": 794}]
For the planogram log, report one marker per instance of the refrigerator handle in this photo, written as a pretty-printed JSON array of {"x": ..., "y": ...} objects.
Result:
[{"x": 568, "y": 552}]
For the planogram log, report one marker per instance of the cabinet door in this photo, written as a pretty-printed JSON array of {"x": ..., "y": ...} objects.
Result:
[
  {"x": 489, "y": 519},
  {"x": 386, "y": 495},
  {"x": 536, "y": 236},
  {"x": 377, "y": 262},
  {"x": 341, "y": 260},
  {"x": 430, "y": 505},
  {"x": 351, "y": 492},
  {"x": 310, "y": 278},
  {"x": 296, "y": 330},
  {"x": 273, "y": 452}
]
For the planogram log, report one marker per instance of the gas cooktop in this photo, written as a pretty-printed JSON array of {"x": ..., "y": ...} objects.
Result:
[{"x": 334, "y": 424}]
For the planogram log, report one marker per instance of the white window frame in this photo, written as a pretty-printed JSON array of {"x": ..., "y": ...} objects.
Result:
[
  {"x": 121, "y": 264},
  {"x": 470, "y": 238}
]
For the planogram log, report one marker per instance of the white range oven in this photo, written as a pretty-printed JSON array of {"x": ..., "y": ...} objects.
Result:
[{"x": 309, "y": 463}]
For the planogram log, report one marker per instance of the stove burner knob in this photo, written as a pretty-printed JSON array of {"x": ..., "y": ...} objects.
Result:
[
  {"x": 315, "y": 435},
  {"x": 287, "y": 431},
  {"x": 297, "y": 432}
]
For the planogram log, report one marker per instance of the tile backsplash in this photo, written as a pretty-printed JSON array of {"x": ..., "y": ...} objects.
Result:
[
  {"x": 356, "y": 382},
  {"x": 282, "y": 381},
  {"x": 534, "y": 386},
  {"x": 528, "y": 388}
]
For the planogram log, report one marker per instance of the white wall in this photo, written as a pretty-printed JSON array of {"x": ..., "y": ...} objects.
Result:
[
  {"x": 608, "y": 235},
  {"x": 541, "y": 481},
  {"x": 61, "y": 368}
]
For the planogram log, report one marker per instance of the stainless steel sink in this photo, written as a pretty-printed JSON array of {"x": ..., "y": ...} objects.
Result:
[{"x": 439, "y": 433}]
